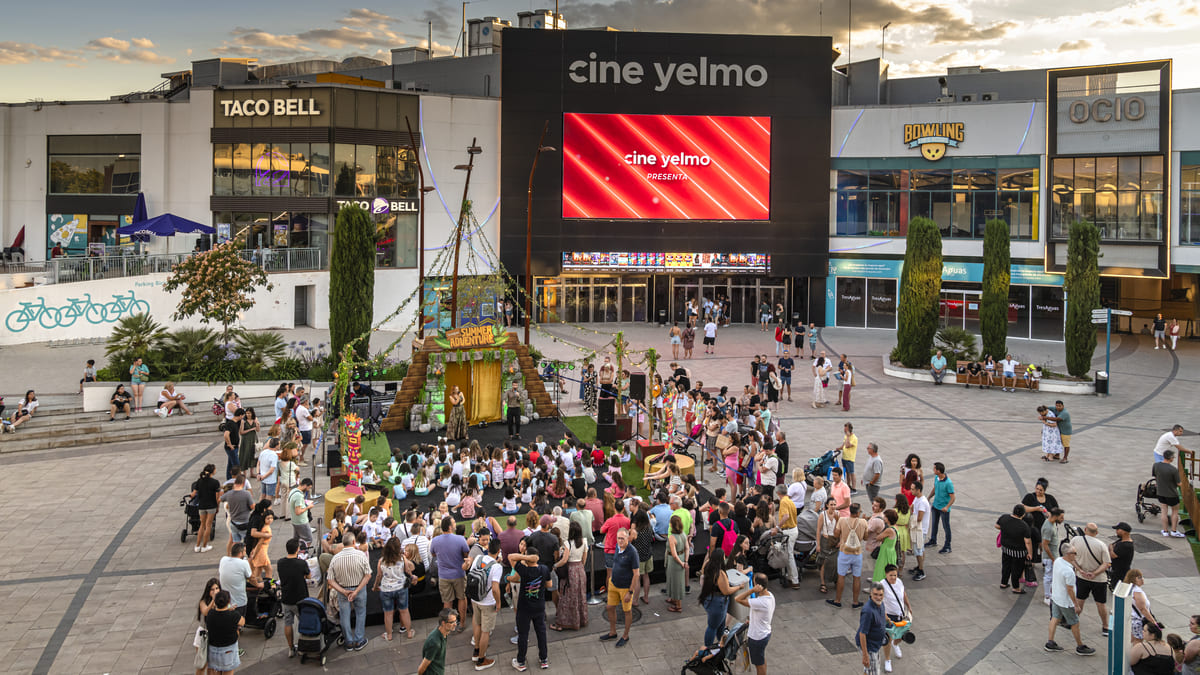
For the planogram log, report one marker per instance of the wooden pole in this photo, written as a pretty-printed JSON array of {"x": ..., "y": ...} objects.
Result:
[
  {"x": 412, "y": 146},
  {"x": 458, "y": 231}
]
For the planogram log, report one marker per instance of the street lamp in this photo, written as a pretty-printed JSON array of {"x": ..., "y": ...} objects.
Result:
[
  {"x": 472, "y": 150},
  {"x": 883, "y": 40},
  {"x": 542, "y": 147}
]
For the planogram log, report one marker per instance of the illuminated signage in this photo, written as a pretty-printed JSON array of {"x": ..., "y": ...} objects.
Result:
[
  {"x": 934, "y": 137},
  {"x": 666, "y": 167},
  {"x": 265, "y": 175},
  {"x": 265, "y": 107},
  {"x": 466, "y": 337},
  {"x": 666, "y": 262},
  {"x": 595, "y": 70},
  {"x": 381, "y": 206}
]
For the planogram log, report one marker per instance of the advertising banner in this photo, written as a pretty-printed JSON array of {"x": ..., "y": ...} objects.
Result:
[{"x": 67, "y": 231}]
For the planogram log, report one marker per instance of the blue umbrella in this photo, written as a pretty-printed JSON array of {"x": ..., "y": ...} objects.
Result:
[
  {"x": 167, "y": 225},
  {"x": 139, "y": 214}
]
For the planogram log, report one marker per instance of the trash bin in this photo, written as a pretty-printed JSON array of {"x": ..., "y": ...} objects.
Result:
[
  {"x": 662, "y": 317},
  {"x": 1101, "y": 383},
  {"x": 736, "y": 610}
]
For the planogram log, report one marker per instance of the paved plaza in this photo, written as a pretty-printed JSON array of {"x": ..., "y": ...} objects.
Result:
[{"x": 96, "y": 581}]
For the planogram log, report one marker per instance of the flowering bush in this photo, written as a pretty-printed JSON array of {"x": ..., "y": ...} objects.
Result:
[{"x": 217, "y": 286}]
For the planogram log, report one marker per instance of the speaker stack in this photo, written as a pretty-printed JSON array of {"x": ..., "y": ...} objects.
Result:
[{"x": 606, "y": 420}]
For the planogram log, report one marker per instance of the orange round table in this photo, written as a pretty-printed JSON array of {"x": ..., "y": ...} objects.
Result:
[
  {"x": 687, "y": 466},
  {"x": 338, "y": 496}
]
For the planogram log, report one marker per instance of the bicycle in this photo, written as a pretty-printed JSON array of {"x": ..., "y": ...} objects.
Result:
[
  {"x": 69, "y": 314},
  {"x": 47, "y": 317},
  {"x": 122, "y": 304}
]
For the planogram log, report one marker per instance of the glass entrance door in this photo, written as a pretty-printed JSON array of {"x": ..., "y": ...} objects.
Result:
[{"x": 960, "y": 309}]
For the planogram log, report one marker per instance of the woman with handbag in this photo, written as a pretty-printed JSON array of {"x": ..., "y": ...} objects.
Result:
[
  {"x": 897, "y": 608},
  {"x": 211, "y": 588},
  {"x": 827, "y": 541},
  {"x": 223, "y": 623}
]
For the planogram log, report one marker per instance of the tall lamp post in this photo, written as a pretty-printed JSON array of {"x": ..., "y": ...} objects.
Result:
[
  {"x": 883, "y": 40},
  {"x": 542, "y": 147},
  {"x": 412, "y": 146},
  {"x": 472, "y": 150}
]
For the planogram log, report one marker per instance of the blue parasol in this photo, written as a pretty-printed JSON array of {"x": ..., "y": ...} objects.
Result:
[{"x": 166, "y": 225}]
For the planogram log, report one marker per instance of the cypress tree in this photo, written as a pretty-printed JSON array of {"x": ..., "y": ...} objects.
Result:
[
  {"x": 993, "y": 308},
  {"x": 352, "y": 281},
  {"x": 1082, "y": 285},
  {"x": 920, "y": 283}
]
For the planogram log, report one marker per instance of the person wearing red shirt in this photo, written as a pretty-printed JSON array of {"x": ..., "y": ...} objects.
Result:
[{"x": 609, "y": 529}]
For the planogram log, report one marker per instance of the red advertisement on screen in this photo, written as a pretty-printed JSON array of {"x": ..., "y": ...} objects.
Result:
[{"x": 666, "y": 167}]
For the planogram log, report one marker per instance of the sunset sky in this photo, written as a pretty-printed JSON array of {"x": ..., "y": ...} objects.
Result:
[{"x": 68, "y": 50}]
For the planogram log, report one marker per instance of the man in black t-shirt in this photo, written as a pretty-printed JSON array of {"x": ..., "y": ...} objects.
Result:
[
  {"x": 786, "y": 364},
  {"x": 293, "y": 586},
  {"x": 1121, "y": 551},
  {"x": 534, "y": 581},
  {"x": 545, "y": 542}
]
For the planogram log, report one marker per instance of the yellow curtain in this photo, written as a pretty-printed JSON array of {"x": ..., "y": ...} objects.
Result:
[
  {"x": 484, "y": 399},
  {"x": 459, "y": 375}
]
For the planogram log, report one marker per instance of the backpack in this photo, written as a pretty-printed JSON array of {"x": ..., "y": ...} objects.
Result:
[
  {"x": 728, "y": 537},
  {"x": 477, "y": 579},
  {"x": 853, "y": 545}
]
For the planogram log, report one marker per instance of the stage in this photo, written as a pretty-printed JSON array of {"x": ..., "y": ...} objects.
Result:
[{"x": 494, "y": 433}]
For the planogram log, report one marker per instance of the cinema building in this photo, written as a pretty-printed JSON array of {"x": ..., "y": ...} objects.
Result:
[{"x": 673, "y": 167}]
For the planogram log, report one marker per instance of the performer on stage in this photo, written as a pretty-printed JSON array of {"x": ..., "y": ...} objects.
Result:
[
  {"x": 512, "y": 400},
  {"x": 608, "y": 374},
  {"x": 456, "y": 420}
]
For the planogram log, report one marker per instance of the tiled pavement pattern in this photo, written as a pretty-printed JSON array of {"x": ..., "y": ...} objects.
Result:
[{"x": 96, "y": 581}]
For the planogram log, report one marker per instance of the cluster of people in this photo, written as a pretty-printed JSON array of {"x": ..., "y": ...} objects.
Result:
[{"x": 986, "y": 371}]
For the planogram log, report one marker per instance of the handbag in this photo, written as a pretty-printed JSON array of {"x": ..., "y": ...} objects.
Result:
[
  {"x": 724, "y": 441},
  {"x": 201, "y": 659}
]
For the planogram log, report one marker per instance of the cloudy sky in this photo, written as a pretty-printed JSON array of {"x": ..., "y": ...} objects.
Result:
[{"x": 71, "y": 49}]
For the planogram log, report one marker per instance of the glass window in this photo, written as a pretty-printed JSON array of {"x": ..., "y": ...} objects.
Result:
[
  {"x": 406, "y": 240},
  {"x": 1128, "y": 170},
  {"x": 934, "y": 179},
  {"x": 1018, "y": 179},
  {"x": 983, "y": 209},
  {"x": 1047, "y": 315},
  {"x": 961, "y": 213},
  {"x": 1062, "y": 212},
  {"x": 1064, "y": 174},
  {"x": 343, "y": 170},
  {"x": 1018, "y": 311},
  {"x": 852, "y": 179},
  {"x": 1106, "y": 211},
  {"x": 1085, "y": 173},
  {"x": 387, "y": 169},
  {"x": 281, "y": 169},
  {"x": 851, "y": 302},
  {"x": 242, "y": 172},
  {"x": 884, "y": 213},
  {"x": 1127, "y": 215},
  {"x": 1106, "y": 173},
  {"x": 365, "y": 178},
  {"x": 318, "y": 232},
  {"x": 1152, "y": 173},
  {"x": 851, "y": 212},
  {"x": 222, "y": 169},
  {"x": 319, "y": 168},
  {"x": 260, "y": 154},
  {"x": 881, "y": 303},
  {"x": 1189, "y": 216},
  {"x": 940, "y": 209},
  {"x": 1151, "y": 215},
  {"x": 886, "y": 179},
  {"x": 117, "y": 174}
]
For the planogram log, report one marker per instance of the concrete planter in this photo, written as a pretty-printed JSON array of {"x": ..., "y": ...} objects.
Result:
[{"x": 1048, "y": 386}]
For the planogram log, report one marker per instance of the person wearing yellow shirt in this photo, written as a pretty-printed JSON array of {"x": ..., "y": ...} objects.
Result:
[
  {"x": 849, "y": 448},
  {"x": 788, "y": 527}
]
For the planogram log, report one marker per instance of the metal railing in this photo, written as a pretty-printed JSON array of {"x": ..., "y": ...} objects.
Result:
[{"x": 68, "y": 270}]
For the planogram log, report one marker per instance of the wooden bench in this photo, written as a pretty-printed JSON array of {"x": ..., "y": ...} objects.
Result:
[{"x": 961, "y": 374}]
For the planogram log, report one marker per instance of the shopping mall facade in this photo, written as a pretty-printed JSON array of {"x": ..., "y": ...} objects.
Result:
[{"x": 682, "y": 166}]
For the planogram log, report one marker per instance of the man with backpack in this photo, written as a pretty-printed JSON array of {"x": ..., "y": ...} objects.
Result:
[
  {"x": 483, "y": 590},
  {"x": 723, "y": 534},
  {"x": 850, "y": 533}
]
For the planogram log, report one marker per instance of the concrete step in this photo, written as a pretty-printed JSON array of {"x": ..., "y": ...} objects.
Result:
[{"x": 117, "y": 432}]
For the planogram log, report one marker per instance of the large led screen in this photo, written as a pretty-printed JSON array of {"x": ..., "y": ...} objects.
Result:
[{"x": 666, "y": 167}]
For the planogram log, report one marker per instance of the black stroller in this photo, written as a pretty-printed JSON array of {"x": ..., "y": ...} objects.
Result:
[
  {"x": 191, "y": 523},
  {"x": 263, "y": 607},
  {"x": 1147, "y": 492},
  {"x": 316, "y": 632},
  {"x": 718, "y": 660},
  {"x": 822, "y": 466}
]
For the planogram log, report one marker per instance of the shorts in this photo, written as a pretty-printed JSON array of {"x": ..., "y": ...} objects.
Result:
[
  {"x": 710, "y": 340},
  {"x": 1009, "y": 373},
  {"x": 306, "y": 436},
  {"x": 918, "y": 544},
  {"x": 848, "y": 467},
  {"x": 224, "y": 659},
  {"x": 646, "y": 566},
  {"x": 1066, "y": 440},
  {"x": 1160, "y": 334},
  {"x": 764, "y": 318},
  {"x": 675, "y": 340},
  {"x": 1168, "y": 501},
  {"x": 608, "y": 560},
  {"x": 268, "y": 489},
  {"x": 786, "y": 379},
  {"x": 1096, "y": 589},
  {"x": 208, "y": 512},
  {"x": 453, "y": 589},
  {"x": 237, "y": 534},
  {"x": 484, "y": 617},
  {"x": 757, "y": 650},
  {"x": 391, "y": 601},
  {"x": 849, "y": 565},
  {"x": 616, "y": 596},
  {"x": 1065, "y": 615},
  {"x": 290, "y": 614}
]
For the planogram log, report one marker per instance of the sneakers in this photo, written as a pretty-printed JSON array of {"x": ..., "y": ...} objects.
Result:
[
  {"x": 945, "y": 549},
  {"x": 291, "y": 652},
  {"x": 1177, "y": 534},
  {"x": 484, "y": 663},
  {"x": 161, "y": 413},
  {"x": 514, "y": 639},
  {"x": 197, "y": 549},
  {"x": 544, "y": 665},
  {"x": 919, "y": 575},
  {"x": 622, "y": 642},
  {"x": 1165, "y": 533},
  {"x": 1084, "y": 650},
  {"x": 518, "y": 666},
  {"x": 1104, "y": 632},
  {"x": 206, "y": 549},
  {"x": 1046, "y": 601},
  {"x": 887, "y": 666},
  {"x": 896, "y": 650},
  {"x": 358, "y": 647},
  {"x": 1052, "y": 647}
]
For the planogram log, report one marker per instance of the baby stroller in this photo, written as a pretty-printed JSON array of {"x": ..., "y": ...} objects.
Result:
[
  {"x": 822, "y": 466},
  {"x": 191, "y": 522},
  {"x": 1147, "y": 492},
  {"x": 718, "y": 660},
  {"x": 263, "y": 607},
  {"x": 767, "y": 556},
  {"x": 316, "y": 632}
]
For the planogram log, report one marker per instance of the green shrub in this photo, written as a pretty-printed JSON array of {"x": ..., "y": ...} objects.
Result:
[
  {"x": 920, "y": 284},
  {"x": 1082, "y": 286},
  {"x": 186, "y": 349},
  {"x": 352, "y": 281},
  {"x": 993, "y": 306},
  {"x": 957, "y": 344},
  {"x": 260, "y": 350},
  {"x": 111, "y": 374},
  {"x": 536, "y": 355},
  {"x": 287, "y": 368},
  {"x": 134, "y": 336},
  {"x": 321, "y": 372}
]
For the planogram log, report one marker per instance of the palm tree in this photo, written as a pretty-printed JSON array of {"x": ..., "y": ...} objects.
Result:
[
  {"x": 135, "y": 336},
  {"x": 260, "y": 350}
]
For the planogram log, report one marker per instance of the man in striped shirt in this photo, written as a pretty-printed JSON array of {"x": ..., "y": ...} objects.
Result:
[{"x": 349, "y": 574}]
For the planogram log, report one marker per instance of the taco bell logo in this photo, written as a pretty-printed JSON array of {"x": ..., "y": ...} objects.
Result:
[{"x": 380, "y": 205}]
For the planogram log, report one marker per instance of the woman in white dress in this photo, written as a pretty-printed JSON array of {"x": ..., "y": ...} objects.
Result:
[{"x": 1052, "y": 446}]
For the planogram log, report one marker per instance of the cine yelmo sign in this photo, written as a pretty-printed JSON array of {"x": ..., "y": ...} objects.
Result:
[{"x": 934, "y": 137}]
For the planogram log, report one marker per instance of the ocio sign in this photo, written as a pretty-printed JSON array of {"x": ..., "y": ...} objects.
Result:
[{"x": 1132, "y": 108}]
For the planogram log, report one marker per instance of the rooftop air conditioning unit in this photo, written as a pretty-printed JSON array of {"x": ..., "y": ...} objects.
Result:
[
  {"x": 968, "y": 98},
  {"x": 990, "y": 96},
  {"x": 944, "y": 99}
]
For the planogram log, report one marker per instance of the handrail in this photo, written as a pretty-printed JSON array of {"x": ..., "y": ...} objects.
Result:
[
  {"x": 68, "y": 270},
  {"x": 1187, "y": 470}
]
